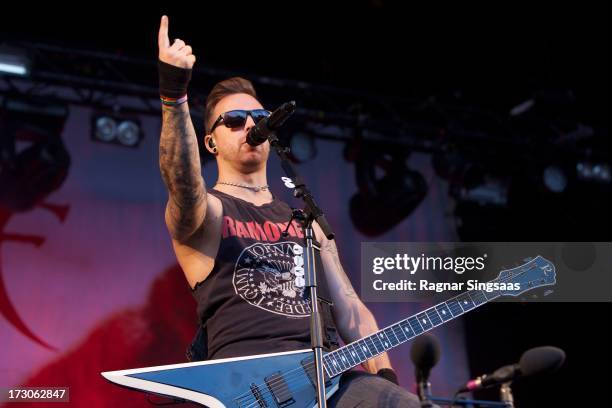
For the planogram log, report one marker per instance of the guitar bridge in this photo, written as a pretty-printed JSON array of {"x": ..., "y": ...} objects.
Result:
[{"x": 258, "y": 397}]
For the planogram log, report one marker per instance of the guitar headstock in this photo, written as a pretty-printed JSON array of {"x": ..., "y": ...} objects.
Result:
[{"x": 535, "y": 273}]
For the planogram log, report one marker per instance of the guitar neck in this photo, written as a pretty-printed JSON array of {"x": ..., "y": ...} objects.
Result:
[{"x": 357, "y": 352}]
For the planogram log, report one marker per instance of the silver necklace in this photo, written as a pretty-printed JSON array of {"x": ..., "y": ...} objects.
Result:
[{"x": 254, "y": 188}]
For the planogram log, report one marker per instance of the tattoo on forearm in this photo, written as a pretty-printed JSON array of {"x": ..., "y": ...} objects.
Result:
[
  {"x": 348, "y": 287},
  {"x": 180, "y": 167},
  {"x": 331, "y": 248}
]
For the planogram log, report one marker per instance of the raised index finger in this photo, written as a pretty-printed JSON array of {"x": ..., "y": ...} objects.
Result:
[{"x": 162, "y": 40}]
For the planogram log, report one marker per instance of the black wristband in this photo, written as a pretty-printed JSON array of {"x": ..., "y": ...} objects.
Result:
[
  {"x": 173, "y": 81},
  {"x": 388, "y": 374}
]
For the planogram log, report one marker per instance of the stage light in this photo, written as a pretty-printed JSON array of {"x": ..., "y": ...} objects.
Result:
[
  {"x": 555, "y": 179},
  {"x": 14, "y": 62},
  {"x": 388, "y": 191},
  {"x": 522, "y": 107},
  {"x": 111, "y": 128},
  {"x": 490, "y": 192},
  {"x": 597, "y": 172},
  {"x": 105, "y": 129},
  {"x": 128, "y": 133},
  {"x": 303, "y": 147},
  {"x": 33, "y": 158}
]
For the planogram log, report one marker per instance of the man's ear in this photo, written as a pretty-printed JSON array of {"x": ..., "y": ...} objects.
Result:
[{"x": 209, "y": 144}]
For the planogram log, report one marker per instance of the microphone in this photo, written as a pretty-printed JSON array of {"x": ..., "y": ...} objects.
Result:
[
  {"x": 425, "y": 354},
  {"x": 260, "y": 132},
  {"x": 538, "y": 360}
]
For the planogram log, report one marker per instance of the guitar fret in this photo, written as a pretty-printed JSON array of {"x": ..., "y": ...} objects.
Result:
[
  {"x": 454, "y": 307},
  {"x": 407, "y": 329},
  {"x": 282, "y": 386},
  {"x": 465, "y": 302},
  {"x": 363, "y": 354},
  {"x": 479, "y": 298},
  {"x": 345, "y": 362},
  {"x": 377, "y": 342},
  {"x": 355, "y": 353},
  {"x": 416, "y": 326},
  {"x": 327, "y": 369},
  {"x": 398, "y": 330},
  {"x": 351, "y": 357},
  {"x": 371, "y": 350},
  {"x": 330, "y": 369},
  {"x": 385, "y": 342},
  {"x": 494, "y": 294},
  {"x": 364, "y": 349},
  {"x": 334, "y": 365},
  {"x": 357, "y": 349},
  {"x": 392, "y": 331},
  {"x": 326, "y": 366},
  {"x": 491, "y": 295},
  {"x": 434, "y": 317},
  {"x": 373, "y": 342},
  {"x": 338, "y": 362},
  {"x": 444, "y": 312},
  {"x": 424, "y": 321},
  {"x": 338, "y": 357}
]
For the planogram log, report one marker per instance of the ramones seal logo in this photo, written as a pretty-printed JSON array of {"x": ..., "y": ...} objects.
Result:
[{"x": 271, "y": 277}]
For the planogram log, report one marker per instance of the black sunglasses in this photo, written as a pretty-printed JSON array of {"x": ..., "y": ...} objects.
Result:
[{"x": 237, "y": 118}]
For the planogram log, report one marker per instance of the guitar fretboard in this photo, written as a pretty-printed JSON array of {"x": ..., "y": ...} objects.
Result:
[{"x": 357, "y": 352}]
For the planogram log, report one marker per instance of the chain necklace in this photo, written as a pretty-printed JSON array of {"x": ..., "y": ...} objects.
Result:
[{"x": 254, "y": 188}]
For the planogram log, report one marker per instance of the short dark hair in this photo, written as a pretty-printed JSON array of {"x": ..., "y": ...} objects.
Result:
[{"x": 222, "y": 89}]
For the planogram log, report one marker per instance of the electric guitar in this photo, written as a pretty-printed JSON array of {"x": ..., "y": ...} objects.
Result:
[{"x": 288, "y": 379}]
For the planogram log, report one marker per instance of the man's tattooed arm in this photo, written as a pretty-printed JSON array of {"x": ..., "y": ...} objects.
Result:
[
  {"x": 353, "y": 319},
  {"x": 329, "y": 246},
  {"x": 179, "y": 161}
]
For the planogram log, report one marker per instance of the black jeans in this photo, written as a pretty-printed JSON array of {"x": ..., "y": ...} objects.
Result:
[{"x": 365, "y": 390}]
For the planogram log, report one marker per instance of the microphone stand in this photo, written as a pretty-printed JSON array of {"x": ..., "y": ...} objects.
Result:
[
  {"x": 469, "y": 403},
  {"x": 424, "y": 393},
  {"x": 310, "y": 213},
  {"x": 505, "y": 394}
]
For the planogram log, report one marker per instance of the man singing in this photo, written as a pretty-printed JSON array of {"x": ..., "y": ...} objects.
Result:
[{"x": 228, "y": 240}]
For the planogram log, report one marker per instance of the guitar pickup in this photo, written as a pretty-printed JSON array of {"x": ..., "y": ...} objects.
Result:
[
  {"x": 278, "y": 387},
  {"x": 308, "y": 365}
]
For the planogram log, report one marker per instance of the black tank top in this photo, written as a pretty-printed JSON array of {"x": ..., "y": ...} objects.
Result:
[{"x": 251, "y": 302}]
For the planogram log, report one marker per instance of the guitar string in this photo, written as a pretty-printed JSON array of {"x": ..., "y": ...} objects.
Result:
[
  {"x": 302, "y": 379},
  {"x": 294, "y": 376},
  {"x": 375, "y": 341},
  {"x": 291, "y": 378}
]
